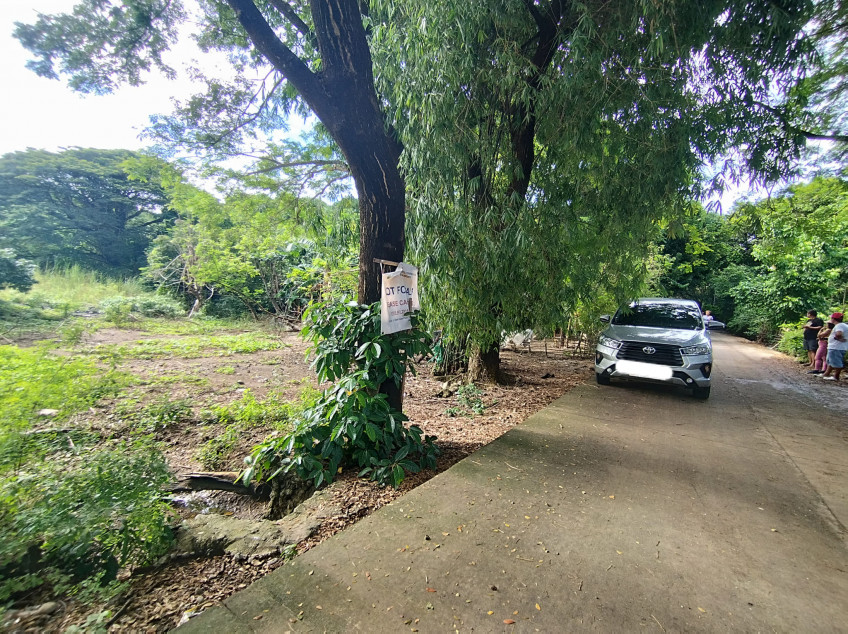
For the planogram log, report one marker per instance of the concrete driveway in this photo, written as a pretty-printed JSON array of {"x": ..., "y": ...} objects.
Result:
[{"x": 616, "y": 509}]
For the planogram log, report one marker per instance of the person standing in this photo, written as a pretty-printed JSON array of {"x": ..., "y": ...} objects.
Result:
[
  {"x": 837, "y": 344},
  {"x": 820, "y": 363},
  {"x": 811, "y": 331}
]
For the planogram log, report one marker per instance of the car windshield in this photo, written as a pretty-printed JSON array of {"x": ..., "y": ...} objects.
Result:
[{"x": 659, "y": 316}]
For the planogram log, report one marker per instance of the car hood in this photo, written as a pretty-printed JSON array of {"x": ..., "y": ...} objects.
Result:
[{"x": 657, "y": 335}]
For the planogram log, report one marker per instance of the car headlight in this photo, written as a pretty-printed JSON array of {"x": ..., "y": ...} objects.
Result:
[
  {"x": 615, "y": 344},
  {"x": 695, "y": 350}
]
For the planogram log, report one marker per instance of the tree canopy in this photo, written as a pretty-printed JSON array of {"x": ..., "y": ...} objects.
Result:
[
  {"x": 318, "y": 47},
  {"x": 546, "y": 141},
  {"x": 79, "y": 206}
]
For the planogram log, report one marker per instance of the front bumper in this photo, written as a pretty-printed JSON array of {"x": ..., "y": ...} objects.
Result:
[{"x": 695, "y": 371}]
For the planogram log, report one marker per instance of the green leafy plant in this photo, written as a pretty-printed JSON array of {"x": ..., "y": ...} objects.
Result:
[
  {"x": 71, "y": 333},
  {"x": 352, "y": 422},
  {"x": 164, "y": 412},
  {"x": 117, "y": 310},
  {"x": 468, "y": 396},
  {"x": 75, "y": 520},
  {"x": 246, "y": 413}
]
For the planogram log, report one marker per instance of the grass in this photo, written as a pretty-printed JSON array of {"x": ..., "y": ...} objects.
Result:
[
  {"x": 190, "y": 347},
  {"x": 73, "y": 289},
  {"x": 249, "y": 413}
]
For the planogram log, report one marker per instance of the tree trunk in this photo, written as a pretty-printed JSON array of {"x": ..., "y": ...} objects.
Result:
[
  {"x": 343, "y": 96},
  {"x": 484, "y": 367}
]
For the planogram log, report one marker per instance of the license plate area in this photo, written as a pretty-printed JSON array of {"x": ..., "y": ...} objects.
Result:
[{"x": 641, "y": 370}]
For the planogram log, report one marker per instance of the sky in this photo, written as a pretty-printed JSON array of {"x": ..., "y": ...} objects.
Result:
[{"x": 46, "y": 114}]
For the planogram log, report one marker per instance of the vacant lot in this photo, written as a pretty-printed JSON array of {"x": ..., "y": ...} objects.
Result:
[{"x": 209, "y": 391}]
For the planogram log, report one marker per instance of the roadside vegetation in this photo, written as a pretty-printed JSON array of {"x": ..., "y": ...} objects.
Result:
[{"x": 538, "y": 161}]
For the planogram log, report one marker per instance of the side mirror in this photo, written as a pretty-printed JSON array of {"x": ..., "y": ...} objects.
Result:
[
  {"x": 714, "y": 325},
  {"x": 605, "y": 318}
]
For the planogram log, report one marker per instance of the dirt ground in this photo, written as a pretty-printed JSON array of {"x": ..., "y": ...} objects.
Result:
[{"x": 159, "y": 597}]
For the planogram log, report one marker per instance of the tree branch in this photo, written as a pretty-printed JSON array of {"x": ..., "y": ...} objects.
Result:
[
  {"x": 279, "y": 165},
  {"x": 789, "y": 127},
  {"x": 291, "y": 15},
  {"x": 270, "y": 46}
]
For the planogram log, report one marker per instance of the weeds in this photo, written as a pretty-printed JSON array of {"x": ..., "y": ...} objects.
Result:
[
  {"x": 36, "y": 380},
  {"x": 248, "y": 413},
  {"x": 163, "y": 413},
  {"x": 72, "y": 511},
  {"x": 192, "y": 347},
  {"x": 469, "y": 402}
]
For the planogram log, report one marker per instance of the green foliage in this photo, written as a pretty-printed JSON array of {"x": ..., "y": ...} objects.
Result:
[
  {"x": 163, "y": 413},
  {"x": 468, "y": 396},
  {"x": 696, "y": 250},
  {"x": 768, "y": 263},
  {"x": 75, "y": 288},
  {"x": 119, "y": 308},
  {"x": 272, "y": 253},
  {"x": 15, "y": 272},
  {"x": 138, "y": 32},
  {"x": 191, "y": 347},
  {"x": 75, "y": 520},
  {"x": 352, "y": 422},
  {"x": 79, "y": 206},
  {"x": 248, "y": 413},
  {"x": 34, "y": 379},
  {"x": 72, "y": 332},
  {"x": 72, "y": 510},
  {"x": 791, "y": 340}
]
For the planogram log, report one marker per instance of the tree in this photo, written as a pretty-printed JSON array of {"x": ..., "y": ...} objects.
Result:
[
  {"x": 801, "y": 251},
  {"x": 272, "y": 253},
  {"x": 79, "y": 206},
  {"x": 15, "y": 272},
  {"x": 319, "y": 47},
  {"x": 546, "y": 141},
  {"x": 695, "y": 252}
]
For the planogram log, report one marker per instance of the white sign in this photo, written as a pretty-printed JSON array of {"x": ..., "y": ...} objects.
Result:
[{"x": 400, "y": 297}]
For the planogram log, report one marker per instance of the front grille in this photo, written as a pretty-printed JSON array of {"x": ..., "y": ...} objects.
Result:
[{"x": 665, "y": 354}]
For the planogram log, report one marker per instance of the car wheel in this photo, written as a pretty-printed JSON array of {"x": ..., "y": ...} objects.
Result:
[
  {"x": 602, "y": 379},
  {"x": 702, "y": 393}
]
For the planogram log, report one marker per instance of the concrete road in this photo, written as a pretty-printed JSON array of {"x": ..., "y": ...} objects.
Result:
[{"x": 616, "y": 509}]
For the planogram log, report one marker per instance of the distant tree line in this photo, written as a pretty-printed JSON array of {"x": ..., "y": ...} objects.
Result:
[{"x": 766, "y": 263}]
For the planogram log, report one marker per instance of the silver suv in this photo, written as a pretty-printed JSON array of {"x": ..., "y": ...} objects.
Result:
[{"x": 657, "y": 340}]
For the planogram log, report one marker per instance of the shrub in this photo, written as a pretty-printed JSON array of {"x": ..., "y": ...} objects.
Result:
[
  {"x": 791, "y": 339},
  {"x": 117, "y": 309},
  {"x": 74, "y": 520},
  {"x": 352, "y": 422},
  {"x": 15, "y": 272},
  {"x": 157, "y": 306}
]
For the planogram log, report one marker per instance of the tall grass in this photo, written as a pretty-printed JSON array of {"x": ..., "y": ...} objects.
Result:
[{"x": 74, "y": 288}]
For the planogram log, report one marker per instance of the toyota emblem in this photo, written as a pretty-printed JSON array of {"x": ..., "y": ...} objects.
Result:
[{"x": 649, "y": 350}]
